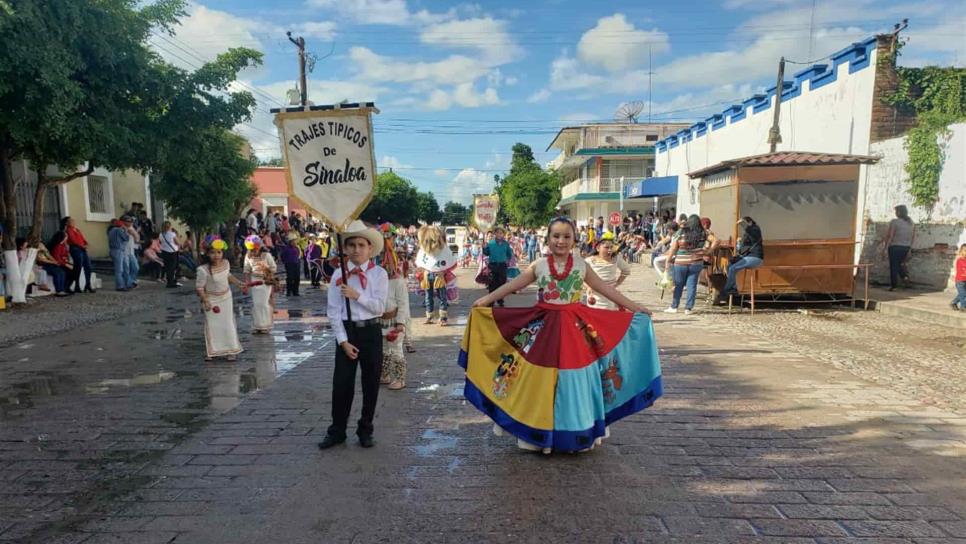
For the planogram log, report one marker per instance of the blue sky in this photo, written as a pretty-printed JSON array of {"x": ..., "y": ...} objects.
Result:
[{"x": 459, "y": 83}]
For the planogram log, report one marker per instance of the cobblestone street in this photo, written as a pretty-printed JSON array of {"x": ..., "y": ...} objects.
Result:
[{"x": 818, "y": 427}]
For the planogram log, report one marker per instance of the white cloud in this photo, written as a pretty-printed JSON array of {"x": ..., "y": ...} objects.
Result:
[
  {"x": 195, "y": 42},
  {"x": 381, "y": 12},
  {"x": 441, "y": 172},
  {"x": 540, "y": 96},
  {"x": 615, "y": 45},
  {"x": 322, "y": 30},
  {"x": 452, "y": 70},
  {"x": 488, "y": 36},
  {"x": 464, "y": 95},
  {"x": 389, "y": 161},
  {"x": 469, "y": 182},
  {"x": 566, "y": 74}
]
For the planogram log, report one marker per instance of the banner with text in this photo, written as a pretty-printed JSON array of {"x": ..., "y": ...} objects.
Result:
[
  {"x": 331, "y": 165},
  {"x": 485, "y": 208}
]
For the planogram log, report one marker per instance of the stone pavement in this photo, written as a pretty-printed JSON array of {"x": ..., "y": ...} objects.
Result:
[{"x": 756, "y": 440}]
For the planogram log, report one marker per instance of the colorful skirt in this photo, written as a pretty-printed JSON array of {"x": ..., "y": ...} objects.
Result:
[{"x": 556, "y": 376}]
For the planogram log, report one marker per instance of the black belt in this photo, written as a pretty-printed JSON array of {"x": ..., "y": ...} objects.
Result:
[{"x": 374, "y": 322}]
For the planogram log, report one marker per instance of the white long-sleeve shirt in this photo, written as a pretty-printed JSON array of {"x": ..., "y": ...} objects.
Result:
[{"x": 370, "y": 304}]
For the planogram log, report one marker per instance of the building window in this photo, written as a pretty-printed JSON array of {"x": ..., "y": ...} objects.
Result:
[
  {"x": 99, "y": 190},
  {"x": 97, "y": 194},
  {"x": 651, "y": 138}
]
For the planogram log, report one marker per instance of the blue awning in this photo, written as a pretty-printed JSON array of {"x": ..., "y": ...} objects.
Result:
[{"x": 650, "y": 187}]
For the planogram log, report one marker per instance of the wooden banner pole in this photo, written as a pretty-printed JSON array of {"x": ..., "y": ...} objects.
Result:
[{"x": 345, "y": 271}]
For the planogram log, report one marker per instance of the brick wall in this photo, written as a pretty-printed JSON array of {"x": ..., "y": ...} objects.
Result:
[
  {"x": 931, "y": 263},
  {"x": 887, "y": 121}
]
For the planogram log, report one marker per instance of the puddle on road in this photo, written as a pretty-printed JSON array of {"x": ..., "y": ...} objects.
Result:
[
  {"x": 298, "y": 335},
  {"x": 436, "y": 441}
]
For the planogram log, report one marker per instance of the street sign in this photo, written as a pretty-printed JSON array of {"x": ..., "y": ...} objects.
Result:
[
  {"x": 330, "y": 160},
  {"x": 615, "y": 218}
]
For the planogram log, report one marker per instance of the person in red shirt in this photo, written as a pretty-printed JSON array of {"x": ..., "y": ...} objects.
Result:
[
  {"x": 959, "y": 303},
  {"x": 77, "y": 246},
  {"x": 60, "y": 252}
]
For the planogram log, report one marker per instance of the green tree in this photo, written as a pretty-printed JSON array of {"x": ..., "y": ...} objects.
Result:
[
  {"x": 395, "y": 199},
  {"x": 210, "y": 188},
  {"x": 79, "y": 84},
  {"x": 528, "y": 194},
  {"x": 455, "y": 213},
  {"x": 277, "y": 161},
  {"x": 428, "y": 208}
]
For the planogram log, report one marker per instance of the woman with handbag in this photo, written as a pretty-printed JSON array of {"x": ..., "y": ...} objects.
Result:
[{"x": 748, "y": 255}]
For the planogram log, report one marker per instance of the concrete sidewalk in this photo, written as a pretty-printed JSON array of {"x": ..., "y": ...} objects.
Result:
[
  {"x": 752, "y": 442},
  {"x": 929, "y": 306}
]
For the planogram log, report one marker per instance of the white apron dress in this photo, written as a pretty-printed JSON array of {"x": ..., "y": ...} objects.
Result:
[
  {"x": 393, "y": 356},
  {"x": 221, "y": 334},
  {"x": 609, "y": 273},
  {"x": 261, "y": 294}
]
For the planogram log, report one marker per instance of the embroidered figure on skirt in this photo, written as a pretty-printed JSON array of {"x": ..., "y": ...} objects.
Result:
[{"x": 556, "y": 375}]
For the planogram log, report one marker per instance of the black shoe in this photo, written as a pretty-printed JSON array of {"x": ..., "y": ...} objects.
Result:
[
  {"x": 330, "y": 441},
  {"x": 954, "y": 306},
  {"x": 89, "y": 290},
  {"x": 366, "y": 441}
]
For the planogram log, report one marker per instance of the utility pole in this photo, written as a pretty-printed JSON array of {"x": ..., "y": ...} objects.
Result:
[
  {"x": 774, "y": 134},
  {"x": 300, "y": 43}
]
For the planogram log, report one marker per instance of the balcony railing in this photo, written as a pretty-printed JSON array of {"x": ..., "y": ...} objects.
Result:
[{"x": 593, "y": 185}]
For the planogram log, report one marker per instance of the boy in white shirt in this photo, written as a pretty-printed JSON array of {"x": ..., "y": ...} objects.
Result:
[{"x": 359, "y": 338}]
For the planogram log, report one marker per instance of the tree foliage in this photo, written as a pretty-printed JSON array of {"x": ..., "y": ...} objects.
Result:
[
  {"x": 455, "y": 213},
  {"x": 428, "y": 208},
  {"x": 938, "y": 98},
  {"x": 206, "y": 191},
  {"x": 79, "y": 84},
  {"x": 528, "y": 194},
  {"x": 396, "y": 199}
]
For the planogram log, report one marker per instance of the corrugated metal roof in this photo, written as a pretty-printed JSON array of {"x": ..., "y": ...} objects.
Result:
[{"x": 786, "y": 158}]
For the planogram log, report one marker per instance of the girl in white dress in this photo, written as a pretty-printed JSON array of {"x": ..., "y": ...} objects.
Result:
[
  {"x": 260, "y": 270},
  {"x": 610, "y": 268},
  {"x": 213, "y": 285}
]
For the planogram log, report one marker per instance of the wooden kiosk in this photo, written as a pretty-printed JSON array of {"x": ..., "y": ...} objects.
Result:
[{"x": 805, "y": 204}]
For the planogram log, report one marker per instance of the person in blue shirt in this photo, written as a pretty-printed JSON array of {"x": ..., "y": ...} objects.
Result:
[
  {"x": 500, "y": 254},
  {"x": 531, "y": 245},
  {"x": 117, "y": 239}
]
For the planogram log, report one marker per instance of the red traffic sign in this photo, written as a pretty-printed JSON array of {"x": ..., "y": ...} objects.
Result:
[{"x": 615, "y": 218}]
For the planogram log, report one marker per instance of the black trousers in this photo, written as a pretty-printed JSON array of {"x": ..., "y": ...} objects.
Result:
[
  {"x": 369, "y": 341},
  {"x": 897, "y": 267},
  {"x": 497, "y": 277},
  {"x": 292, "y": 278},
  {"x": 170, "y": 267}
]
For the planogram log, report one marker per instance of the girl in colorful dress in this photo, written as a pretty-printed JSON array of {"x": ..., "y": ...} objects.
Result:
[
  {"x": 558, "y": 374},
  {"x": 610, "y": 267},
  {"x": 395, "y": 321},
  {"x": 213, "y": 284},
  {"x": 260, "y": 270}
]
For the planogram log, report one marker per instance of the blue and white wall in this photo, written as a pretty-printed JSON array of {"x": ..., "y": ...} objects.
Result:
[{"x": 825, "y": 108}]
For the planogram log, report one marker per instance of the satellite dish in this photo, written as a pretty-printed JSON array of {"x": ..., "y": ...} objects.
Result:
[{"x": 628, "y": 111}]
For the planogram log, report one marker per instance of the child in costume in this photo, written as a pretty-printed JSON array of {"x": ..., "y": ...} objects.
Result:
[
  {"x": 260, "y": 271},
  {"x": 610, "y": 267},
  {"x": 359, "y": 335},
  {"x": 558, "y": 374},
  {"x": 435, "y": 264},
  {"x": 395, "y": 320},
  {"x": 213, "y": 285},
  {"x": 499, "y": 254}
]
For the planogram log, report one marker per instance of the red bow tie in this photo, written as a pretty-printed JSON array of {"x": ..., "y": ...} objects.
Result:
[{"x": 357, "y": 271}]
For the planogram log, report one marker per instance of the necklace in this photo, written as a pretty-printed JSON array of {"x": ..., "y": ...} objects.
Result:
[{"x": 567, "y": 269}]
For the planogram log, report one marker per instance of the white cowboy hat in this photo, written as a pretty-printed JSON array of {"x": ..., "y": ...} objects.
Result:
[{"x": 358, "y": 229}]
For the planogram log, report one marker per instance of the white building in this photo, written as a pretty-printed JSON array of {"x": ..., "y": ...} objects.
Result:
[
  {"x": 594, "y": 158},
  {"x": 834, "y": 107}
]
